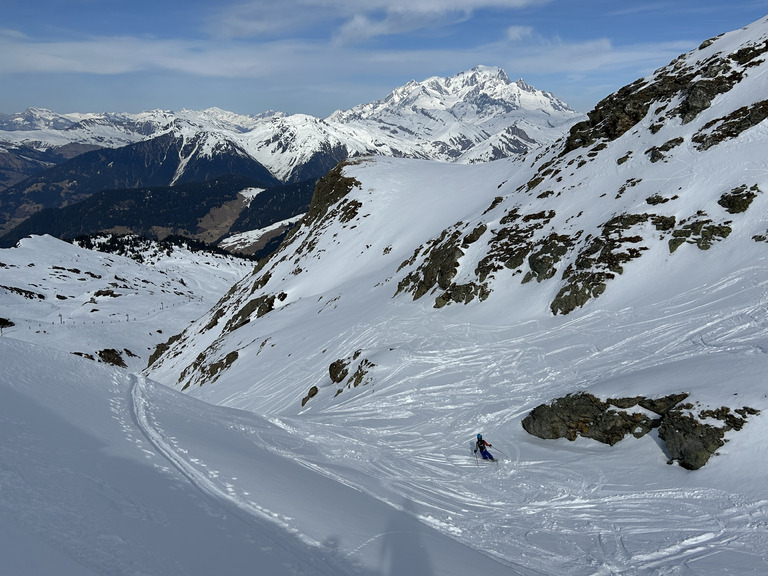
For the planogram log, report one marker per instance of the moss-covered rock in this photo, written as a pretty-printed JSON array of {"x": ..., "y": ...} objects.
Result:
[
  {"x": 600, "y": 260},
  {"x": 549, "y": 251},
  {"x": 338, "y": 370},
  {"x": 688, "y": 441},
  {"x": 439, "y": 265},
  {"x": 731, "y": 126},
  {"x": 328, "y": 191},
  {"x": 657, "y": 153}
]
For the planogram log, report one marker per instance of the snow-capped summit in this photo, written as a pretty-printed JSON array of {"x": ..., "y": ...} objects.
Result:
[
  {"x": 34, "y": 119},
  {"x": 481, "y": 92},
  {"x": 473, "y": 116}
]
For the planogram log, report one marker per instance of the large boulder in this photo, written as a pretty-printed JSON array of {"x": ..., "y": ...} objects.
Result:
[
  {"x": 586, "y": 415},
  {"x": 689, "y": 441}
]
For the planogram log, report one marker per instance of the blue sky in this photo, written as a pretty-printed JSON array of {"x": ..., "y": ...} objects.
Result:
[{"x": 316, "y": 56}]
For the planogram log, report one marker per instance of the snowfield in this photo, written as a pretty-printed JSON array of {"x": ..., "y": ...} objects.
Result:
[{"x": 106, "y": 472}]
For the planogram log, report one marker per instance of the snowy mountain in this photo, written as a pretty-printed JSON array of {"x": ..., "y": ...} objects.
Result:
[
  {"x": 319, "y": 418},
  {"x": 475, "y": 115}
]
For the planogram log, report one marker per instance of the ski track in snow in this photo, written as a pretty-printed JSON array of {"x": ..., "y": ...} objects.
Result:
[
  {"x": 586, "y": 525},
  {"x": 193, "y": 469}
]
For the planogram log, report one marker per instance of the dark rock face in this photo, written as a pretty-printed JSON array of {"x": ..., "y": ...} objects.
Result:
[
  {"x": 696, "y": 85},
  {"x": 585, "y": 415},
  {"x": 112, "y": 356},
  {"x": 338, "y": 370},
  {"x": 690, "y": 442},
  {"x": 441, "y": 260},
  {"x": 731, "y": 126},
  {"x": 311, "y": 394},
  {"x": 601, "y": 259},
  {"x": 738, "y": 199},
  {"x": 699, "y": 230},
  {"x": 329, "y": 190}
]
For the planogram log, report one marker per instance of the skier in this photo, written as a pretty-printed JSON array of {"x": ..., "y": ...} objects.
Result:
[{"x": 482, "y": 445}]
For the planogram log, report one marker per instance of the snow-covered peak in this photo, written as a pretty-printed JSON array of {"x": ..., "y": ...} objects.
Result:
[
  {"x": 35, "y": 119},
  {"x": 480, "y": 88}
]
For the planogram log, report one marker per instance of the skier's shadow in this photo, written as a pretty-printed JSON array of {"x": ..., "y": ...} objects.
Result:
[{"x": 402, "y": 549}]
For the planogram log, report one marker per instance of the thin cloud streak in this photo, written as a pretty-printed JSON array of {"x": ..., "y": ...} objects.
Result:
[
  {"x": 112, "y": 56},
  {"x": 349, "y": 20}
]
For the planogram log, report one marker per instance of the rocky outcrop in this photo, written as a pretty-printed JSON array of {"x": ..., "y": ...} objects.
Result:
[
  {"x": 738, "y": 199},
  {"x": 695, "y": 86},
  {"x": 689, "y": 441},
  {"x": 731, "y": 126},
  {"x": 349, "y": 372},
  {"x": 339, "y": 371}
]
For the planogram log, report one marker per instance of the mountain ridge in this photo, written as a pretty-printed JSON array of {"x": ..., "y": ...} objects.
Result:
[
  {"x": 261, "y": 135},
  {"x": 475, "y": 116}
]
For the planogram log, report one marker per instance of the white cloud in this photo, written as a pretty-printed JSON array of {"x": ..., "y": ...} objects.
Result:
[
  {"x": 335, "y": 71},
  {"x": 517, "y": 33},
  {"x": 349, "y": 20},
  {"x": 105, "y": 56}
]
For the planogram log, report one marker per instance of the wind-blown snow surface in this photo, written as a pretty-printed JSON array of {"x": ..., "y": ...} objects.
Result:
[{"x": 105, "y": 473}]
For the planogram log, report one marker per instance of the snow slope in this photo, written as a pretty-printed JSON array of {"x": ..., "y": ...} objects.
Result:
[
  {"x": 81, "y": 301},
  {"x": 639, "y": 275},
  {"x": 106, "y": 473},
  {"x": 248, "y": 470}
]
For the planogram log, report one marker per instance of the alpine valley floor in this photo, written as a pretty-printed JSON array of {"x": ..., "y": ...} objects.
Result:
[{"x": 106, "y": 472}]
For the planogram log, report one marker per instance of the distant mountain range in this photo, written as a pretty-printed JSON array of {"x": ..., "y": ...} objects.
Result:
[{"x": 50, "y": 160}]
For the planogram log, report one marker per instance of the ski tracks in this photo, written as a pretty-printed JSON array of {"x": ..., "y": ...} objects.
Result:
[
  {"x": 197, "y": 472},
  {"x": 620, "y": 533}
]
